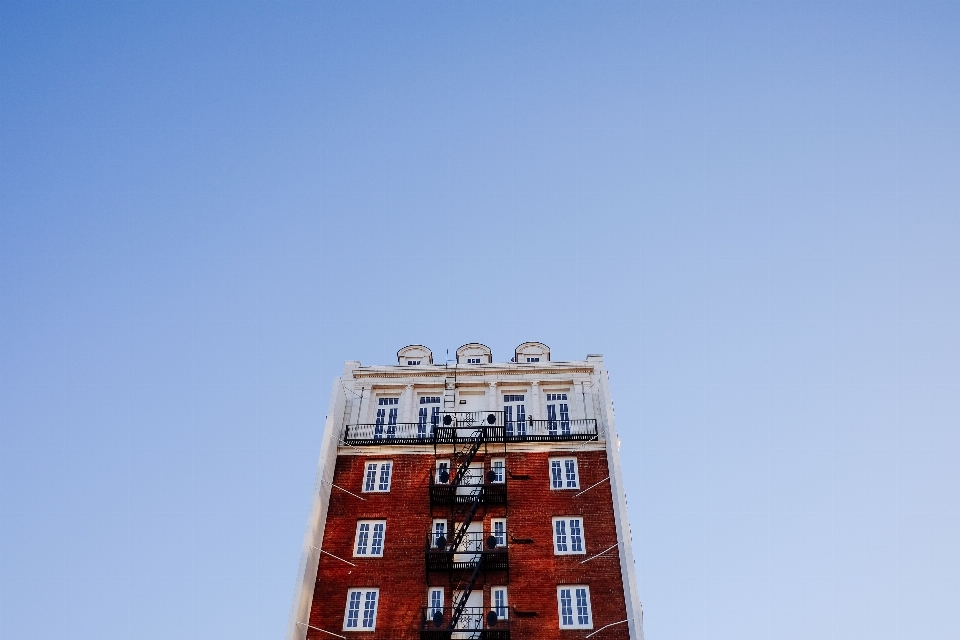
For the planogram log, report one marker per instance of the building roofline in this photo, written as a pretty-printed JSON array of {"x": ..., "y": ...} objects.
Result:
[{"x": 474, "y": 370}]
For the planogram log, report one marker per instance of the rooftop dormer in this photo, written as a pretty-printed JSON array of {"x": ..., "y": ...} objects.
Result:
[
  {"x": 413, "y": 355},
  {"x": 474, "y": 353},
  {"x": 532, "y": 352}
]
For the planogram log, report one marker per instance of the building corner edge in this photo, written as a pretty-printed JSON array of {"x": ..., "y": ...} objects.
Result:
[
  {"x": 624, "y": 534},
  {"x": 313, "y": 538}
]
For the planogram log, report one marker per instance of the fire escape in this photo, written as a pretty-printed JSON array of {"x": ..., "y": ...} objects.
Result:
[{"x": 463, "y": 493}]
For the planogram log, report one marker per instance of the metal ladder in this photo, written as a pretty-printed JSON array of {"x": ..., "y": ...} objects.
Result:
[
  {"x": 450, "y": 393},
  {"x": 465, "y": 591},
  {"x": 463, "y": 468}
]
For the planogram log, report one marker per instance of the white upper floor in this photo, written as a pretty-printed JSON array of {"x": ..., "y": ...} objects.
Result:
[{"x": 532, "y": 393}]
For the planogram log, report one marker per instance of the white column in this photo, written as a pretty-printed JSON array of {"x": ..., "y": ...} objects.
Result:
[
  {"x": 406, "y": 400},
  {"x": 369, "y": 409},
  {"x": 578, "y": 402},
  {"x": 536, "y": 402},
  {"x": 492, "y": 400}
]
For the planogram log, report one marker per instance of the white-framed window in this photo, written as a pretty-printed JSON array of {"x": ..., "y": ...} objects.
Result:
[
  {"x": 369, "y": 539},
  {"x": 413, "y": 362},
  {"x": 564, "y": 473},
  {"x": 361, "y": 611},
  {"x": 443, "y": 469},
  {"x": 386, "y": 420},
  {"x": 533, "y": 359},
  {"x": 473, "y": 360},
  {"x": 573, "y": 602},
  {"x": 439, "y": 529},
  {"x": 498, "y": 528},
  {"x": 568, "y": 536},
  {"x": 514, "y": 414},
  {"x": 558, "y": 414},
  {"x": 498, "y": 602},
  {"x": 429, "y": 414},
  {"x": 499, "y": 467},
  {"x": 434, "y": 600},
  {"x": 378, "y": 476}
]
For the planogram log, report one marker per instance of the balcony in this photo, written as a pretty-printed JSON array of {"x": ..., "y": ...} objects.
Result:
[
  {"x": 550, "y": 430},
  {"x": 446, "y": 428},
  {"x": 448, "y": 495},
  {"x": 461, "y": 427},
  {"x": 475, "y": 623},
  {"x": 476, "y": 548}
]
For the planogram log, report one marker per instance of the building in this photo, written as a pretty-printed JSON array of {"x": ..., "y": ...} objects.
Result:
[{"x": 469, "y": 499}]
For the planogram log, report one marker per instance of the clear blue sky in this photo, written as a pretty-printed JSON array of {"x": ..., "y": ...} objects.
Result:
[{"x": 752, "y": 209}]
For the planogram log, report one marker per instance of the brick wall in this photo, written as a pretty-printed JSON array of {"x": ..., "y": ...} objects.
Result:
[{"x": 535, "y": 571}]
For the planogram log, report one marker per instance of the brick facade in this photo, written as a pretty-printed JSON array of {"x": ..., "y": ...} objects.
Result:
[{"x": 535, "y": 571}]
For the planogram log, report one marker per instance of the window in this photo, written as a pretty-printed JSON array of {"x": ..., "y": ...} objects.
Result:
[
  {"x": 568, "y": 536},
  {"x": 439, "y": 529},
  {"x": 529, "y": 359},
  {"x": 377, "y": 477},
  {"x": 574, "y": 604},
  {"x": 387, "y": 409},
  {"x": 473, "y": 360},
  {"x": 499, "y": 467},
  {"x": 370, "y": 538},
  {"x": 499, "y": 528},
  {"x": 498, "y": 595},
  {"x": 413, "y": 362},
  {"x": 557, "y": 406},
  {"x": 563, "y": 473},
  {"x": 361, "y": 613},
  {"x": 514, "y": 415},
  {"x": 435, "y": 598},
  {"x": 443, "y": 471},
  {"x": 429, "y": 410}
]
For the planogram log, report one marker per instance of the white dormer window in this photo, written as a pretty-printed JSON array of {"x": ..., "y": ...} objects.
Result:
[
  {"x": 414, "y": 355},
  {"x": 474, "y": 353},
  {"x": 532, "y": 352}
]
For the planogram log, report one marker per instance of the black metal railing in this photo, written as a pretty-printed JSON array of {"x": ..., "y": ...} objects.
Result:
[
  {"x": 448, "y": 427},
  {"x": 474, "y": 622},
  {"x": 443, "y": 495},
  {"x": 550, "y": 430},
  {"x": 458, "y": 427},
  {"x": 397, "y": 433},
  {"x": 487, "y": 549}
]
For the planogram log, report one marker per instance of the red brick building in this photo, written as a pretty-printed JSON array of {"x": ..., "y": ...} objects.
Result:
[{"x": 469, "y": 499}]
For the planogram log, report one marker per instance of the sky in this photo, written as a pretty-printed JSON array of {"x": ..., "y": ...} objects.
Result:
[{"x": 750, "y": 208}]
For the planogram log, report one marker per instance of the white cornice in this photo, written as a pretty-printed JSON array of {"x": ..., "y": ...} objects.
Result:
[{"x": 504, "y": 369}]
